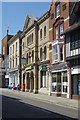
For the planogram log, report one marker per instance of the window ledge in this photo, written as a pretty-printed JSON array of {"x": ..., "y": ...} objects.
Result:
[
  {"x": 29, "y": 44},
  {"x": 57, "y": 17},
  {"x": 45, "y": 37}
]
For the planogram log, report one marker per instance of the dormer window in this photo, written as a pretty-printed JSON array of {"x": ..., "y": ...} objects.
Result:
[{"x": 57, "y": 11}]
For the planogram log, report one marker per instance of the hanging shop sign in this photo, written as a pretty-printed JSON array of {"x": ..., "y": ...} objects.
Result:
[
  {"x": 44, "y": 67},
  {"x": 29, "y": 68},
  {"x": 79, "y": 86},
  {"x": 23, "y": 61}
]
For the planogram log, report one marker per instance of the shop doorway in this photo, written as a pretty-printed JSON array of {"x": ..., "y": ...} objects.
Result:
[
  {"x": 24, "y": 78},
  {"x": 32, "y": 80},
  {"x": 43, "y": 79},
  {"x": 28, "y": 81},
  {"x": 75, "y": 84}
]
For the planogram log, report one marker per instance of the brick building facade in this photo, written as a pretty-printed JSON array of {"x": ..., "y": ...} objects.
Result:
[{"x": 59, "y": 69}]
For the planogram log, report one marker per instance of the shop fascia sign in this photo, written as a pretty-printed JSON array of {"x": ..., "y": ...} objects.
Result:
[
  {"x": 44, "y": 67},
  {"x": 23, "y": 61},
  {"x": 29, "y": 68},
  {"x": 60, "y": 68}
]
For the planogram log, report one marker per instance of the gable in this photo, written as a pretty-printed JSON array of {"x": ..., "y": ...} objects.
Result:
[{"x": 29, "y": 21}]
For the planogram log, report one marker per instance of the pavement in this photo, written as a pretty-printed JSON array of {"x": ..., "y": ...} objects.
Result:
[{"x": 64, "y": 102}]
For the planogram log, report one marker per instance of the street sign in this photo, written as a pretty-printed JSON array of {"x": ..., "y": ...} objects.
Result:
[{"x": 44, "y": 67}]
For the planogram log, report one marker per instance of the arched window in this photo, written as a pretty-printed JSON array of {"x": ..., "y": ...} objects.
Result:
[
  {"x": 23, "y": 45},
  {"x": 41, "y": 34},
  {"x": 40, "y": 54},
  {"x": 33, "y": 56},
  {"x": 45, "y": 53},
  {"x": 45, "y": 31}
]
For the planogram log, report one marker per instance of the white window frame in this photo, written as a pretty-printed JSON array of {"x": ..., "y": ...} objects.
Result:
[
  {"x": 61, "y": 30},
  {"x": 56, "y": 32},
  {"x": 55, "y": 54},
  {"x": 62, "y": 52},
  {"x": 64, "y": 83}
]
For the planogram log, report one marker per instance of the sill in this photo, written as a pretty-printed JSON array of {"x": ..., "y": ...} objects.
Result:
[
  {"x": 29, "y": 43},
  {"x": 44, "y": 37},
  {"x": 57, "y": 17}
]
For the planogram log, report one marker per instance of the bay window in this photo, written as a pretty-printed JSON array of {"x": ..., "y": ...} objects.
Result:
[
  {"x": 61, "y": 53},
  {"x": 61, "y": 30},
  {"x": 55, "y": 53},
  {"x": 56, "y": 34}
]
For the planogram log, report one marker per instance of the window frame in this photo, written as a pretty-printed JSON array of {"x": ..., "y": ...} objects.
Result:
[{"x": 57, "y": 11}]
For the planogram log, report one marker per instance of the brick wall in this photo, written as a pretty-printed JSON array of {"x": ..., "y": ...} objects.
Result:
[{"x": 53, "y": 21}]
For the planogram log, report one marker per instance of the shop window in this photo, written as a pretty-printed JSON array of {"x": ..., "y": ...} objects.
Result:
[
  {"x": 58, "y": 10},
  {"x": 54, "y": 83},
  {"x": 56, "y": 32},
  {"x": 55, "y": 53},
  {"x": 59, "y": 77},
  {"x": 65, "y": 77},
  {"x": 54, "y": 89},
  {"x": 54, "y": 78},
  {"x": 58, "y": 88},
  {"x": 65, "y": 89},
  {"x": 41, "y": 34},
  {"x": 61, "y": 53},
  {"x": 61, "y": 30},
  {"x": 45, "y": 31},
  {"x": 65, "y": 81}
]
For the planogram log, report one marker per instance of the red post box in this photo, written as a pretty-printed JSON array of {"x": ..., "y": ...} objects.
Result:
[{"x": 23, "y": 87}]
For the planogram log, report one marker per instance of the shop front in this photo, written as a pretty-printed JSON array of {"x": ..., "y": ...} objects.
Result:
[
  {"x": 59, "y": 80},
  {"x": 43, "y": 79},
  {"x": 28, "y": 79},
  {"x": 75, "y": 77},
  {"x": 14, "y": 78}
]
